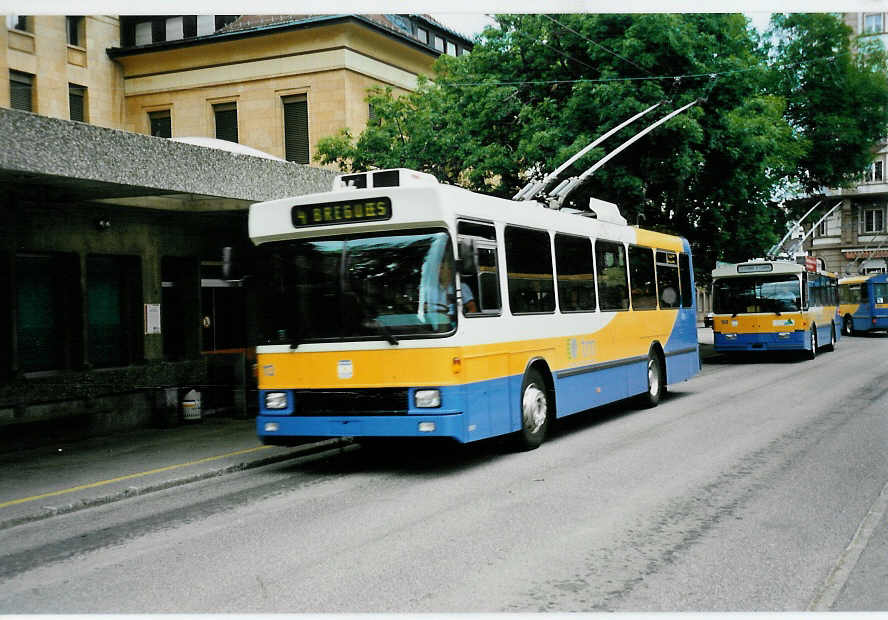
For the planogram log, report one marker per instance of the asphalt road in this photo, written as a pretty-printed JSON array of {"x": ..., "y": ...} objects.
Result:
[{"x": 759, "y": 485}]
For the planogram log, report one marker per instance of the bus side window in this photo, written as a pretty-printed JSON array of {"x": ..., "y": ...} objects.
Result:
[
  {"x": 529, "y": 265},
  {"x": 642, "y": 278},
  {"x": 667, "y": 279},
  {"x": 610, "y": 270},
  {"x": 684, "y": 273},
  {"x": 484, "y": 284},
  {"x": 576, "y": 273}
]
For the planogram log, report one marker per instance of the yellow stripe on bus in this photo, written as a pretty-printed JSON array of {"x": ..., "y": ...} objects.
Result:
[{"x": 628, "y": 334}]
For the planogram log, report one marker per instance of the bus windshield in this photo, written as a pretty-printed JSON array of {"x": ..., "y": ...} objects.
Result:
[
  {"x": 776, "y": 293},
  {"x": 358, "y": 288}
]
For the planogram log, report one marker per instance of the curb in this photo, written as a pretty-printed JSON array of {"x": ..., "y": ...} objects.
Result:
[{"x": 305, "y": 453}]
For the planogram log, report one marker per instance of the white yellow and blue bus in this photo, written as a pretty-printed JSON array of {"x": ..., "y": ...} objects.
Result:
[
  {"x": 567, "y": 312},
  {"x": 863, "y": 303},
  {"x": 774, "y": 305}
]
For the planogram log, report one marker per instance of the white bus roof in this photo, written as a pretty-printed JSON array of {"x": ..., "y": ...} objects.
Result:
[
  {"x": 428, "y": 204},
  {"x": 761, "y": 267}
]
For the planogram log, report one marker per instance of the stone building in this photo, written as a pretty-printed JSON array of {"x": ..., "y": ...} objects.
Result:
[{"x": 111, "y": 238}]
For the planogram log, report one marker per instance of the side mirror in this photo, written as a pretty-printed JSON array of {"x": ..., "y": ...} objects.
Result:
[{"x": 467, "y": 263}]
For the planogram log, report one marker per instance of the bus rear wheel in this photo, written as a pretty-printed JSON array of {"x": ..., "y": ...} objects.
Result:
[
  {"x": 832, "y": 338},
  {"x": 847, "y": 326},
  {"x": 655, "y": 389},
  {"x": 534, "y": 411}
]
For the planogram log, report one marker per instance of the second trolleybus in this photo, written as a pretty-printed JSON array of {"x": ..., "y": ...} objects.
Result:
[
  {"x": 774, "y": 305},
  {"x": 863, "y": 303},
  {"x": 396, "y": 306}
]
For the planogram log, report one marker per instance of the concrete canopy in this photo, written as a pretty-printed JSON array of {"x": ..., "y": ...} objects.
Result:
[{"x": 53, "y": 159}]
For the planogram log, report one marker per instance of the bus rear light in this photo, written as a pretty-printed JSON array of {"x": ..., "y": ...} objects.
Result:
[
  {"x": 731, "y": 336},
  {"x": 427, "y": 399},
  {"x": 427, "y": 427},
  {"x": 272, "y": 427}
]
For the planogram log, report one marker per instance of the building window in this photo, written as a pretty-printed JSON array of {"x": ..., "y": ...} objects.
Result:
[
  {"x": 19, "y": 22},
  {"x": 175, "y": 28},
  {"x": 451, "y": 48},
  {"x": 75, "y": 29},
  {"x": 77, "y": 102},
  {"x": 874, "y": 173},
  {"x": 872, "y": 23},
  {"x": 422, "y": 35},
  {"x": 821, "y": 229},
  {"x": 296, "y": 129},
  {"x": 21, "y": 89},
  {"x": 113, "y": 298},
  {"x": 206, "y": 24},
  {"x": 144, "y": 32},
  {"x": 161, "y": 125},
  {"x": 873, "y": 220},
  {"x": 46, "y": 293},
  {"x": 225, "y": 115},
  {"x": 439, "y": 44}
]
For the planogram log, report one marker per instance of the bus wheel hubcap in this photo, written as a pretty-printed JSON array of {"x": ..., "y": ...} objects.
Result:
[
  {"x": 653, "y": 377},
  {"x": 533, "y": 408}
]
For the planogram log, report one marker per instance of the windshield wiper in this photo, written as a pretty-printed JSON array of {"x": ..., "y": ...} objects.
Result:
[{"x": 386, "y": 331}]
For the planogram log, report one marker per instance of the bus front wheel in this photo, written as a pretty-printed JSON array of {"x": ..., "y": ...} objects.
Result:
[
  {"x": 534, "y": 411},
  {"x": 811, "y": 353}
]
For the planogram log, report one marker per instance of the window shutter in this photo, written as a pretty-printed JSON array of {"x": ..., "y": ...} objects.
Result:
[
  {"x": 75, "y": 102},
  {"x": 296, "y": 130},
  {"x": 226, "y": 121},
  {"x": 20, "y": 88}
]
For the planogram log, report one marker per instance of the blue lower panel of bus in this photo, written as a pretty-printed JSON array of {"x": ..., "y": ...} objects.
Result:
[
  {"x": 865, "y": 323},
  {"x": 794, "y": 341},
  {"x": 466, "y": 413}
]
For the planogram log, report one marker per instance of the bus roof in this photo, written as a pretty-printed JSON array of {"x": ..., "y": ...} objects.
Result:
[
  {"x": 879, "y": 277},
  {"x": 761, "y": 267},
  {"x": 426, "y": 205}
]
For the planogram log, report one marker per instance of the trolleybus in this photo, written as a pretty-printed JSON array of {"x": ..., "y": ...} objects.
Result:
[
  {"x": 396, "y": 306},
  {"x": 768, "y": 305},
  {"x": 863, "y": 303}
]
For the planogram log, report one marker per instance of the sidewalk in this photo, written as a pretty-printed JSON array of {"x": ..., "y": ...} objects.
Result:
[{"x": 67, "y": 476}]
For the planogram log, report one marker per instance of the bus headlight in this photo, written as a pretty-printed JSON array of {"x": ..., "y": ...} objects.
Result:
[
  {"x": 783, "y": 334},
  {"x": 275, "y": 400},
  {"x": 731, "y": 336},
  {"x": 426, "y": 399}
]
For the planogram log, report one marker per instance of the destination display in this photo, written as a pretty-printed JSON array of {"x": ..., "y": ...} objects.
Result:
[{"x": 342, "y": 212}]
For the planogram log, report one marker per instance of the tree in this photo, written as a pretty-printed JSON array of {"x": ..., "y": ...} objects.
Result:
[
  {"x": 539, "y": 88},
  {"x": 836, "y": 96}
]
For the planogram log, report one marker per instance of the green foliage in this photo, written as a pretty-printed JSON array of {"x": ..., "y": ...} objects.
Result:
[
  {"x": 539, "y": 88},
  {"x": 837, "y": 96}
]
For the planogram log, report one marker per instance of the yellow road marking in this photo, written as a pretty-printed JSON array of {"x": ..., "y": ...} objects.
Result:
[{"x": 129, "y": 477}]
